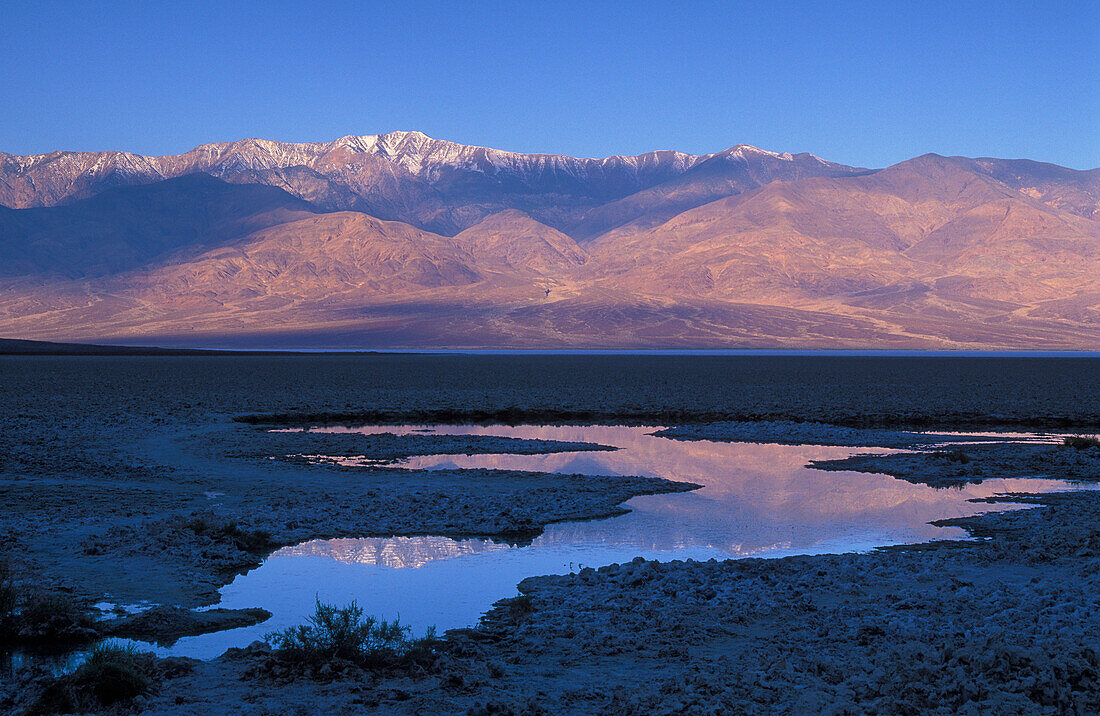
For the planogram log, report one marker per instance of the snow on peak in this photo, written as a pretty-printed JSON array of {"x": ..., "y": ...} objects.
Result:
[
  {"x": 403, "y": 134},
  {"x": 745, "y": 151},
  {"x": 411, "y": 150}
]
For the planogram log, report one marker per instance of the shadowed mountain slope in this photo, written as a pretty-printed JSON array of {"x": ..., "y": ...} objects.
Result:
[
  {"x": 125, "y": 228},
  {"x": 315, "y": 257}
]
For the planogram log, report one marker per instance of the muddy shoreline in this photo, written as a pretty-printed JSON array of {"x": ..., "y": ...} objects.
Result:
[
  {"x": 230, "y": 497},
  {"x": 963, "y": 463},
  {"x": 1005, "y": 624}
]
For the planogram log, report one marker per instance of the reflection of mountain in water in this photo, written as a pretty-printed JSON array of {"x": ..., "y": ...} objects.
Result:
[
  {"x": 397, "y": 552},
  {"x": 756, "y": 498}
]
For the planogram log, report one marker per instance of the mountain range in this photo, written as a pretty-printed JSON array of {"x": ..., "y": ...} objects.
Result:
[{"x": 401, "y": 240}]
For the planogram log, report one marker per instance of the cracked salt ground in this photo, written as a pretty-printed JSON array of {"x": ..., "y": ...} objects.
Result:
[{"x": 755, "y": 500}]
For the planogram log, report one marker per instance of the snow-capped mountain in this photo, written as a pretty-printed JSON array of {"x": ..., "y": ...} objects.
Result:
[
  {"x": 408, "y": 176},
  {"x": 404, "y": 240}
]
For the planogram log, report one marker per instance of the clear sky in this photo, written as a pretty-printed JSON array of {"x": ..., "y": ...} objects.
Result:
[{"x": 866, "y": 83}]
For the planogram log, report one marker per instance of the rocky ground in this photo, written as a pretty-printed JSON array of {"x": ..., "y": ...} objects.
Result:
[
  {"x": 226, "y": 495},
  {"x": 788, "y": 432},
  {"x": 1004, "y": 625},
  {"x": 130, "y": 480},
  {"x": 960, "y": 464}
]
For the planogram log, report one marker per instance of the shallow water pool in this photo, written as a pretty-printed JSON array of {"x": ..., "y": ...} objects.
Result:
[{"x": 756, "y": 500}]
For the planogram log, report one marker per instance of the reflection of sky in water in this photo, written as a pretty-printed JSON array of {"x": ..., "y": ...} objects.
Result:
[{"x": 756, "y": 500}]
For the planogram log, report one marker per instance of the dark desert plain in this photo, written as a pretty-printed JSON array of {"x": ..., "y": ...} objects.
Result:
[{"x": 152, "y": 482}]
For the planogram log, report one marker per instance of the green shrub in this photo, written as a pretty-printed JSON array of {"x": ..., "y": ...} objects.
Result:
[
  {"x": 1082, "y": 442},
  {"x": 111, "y": 675},
  {"x": 334, "y": 633}
]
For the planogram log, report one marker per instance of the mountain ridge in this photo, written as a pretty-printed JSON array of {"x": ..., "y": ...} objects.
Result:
[
  {"x": 406, "y": 175},
  {"x": 401, "y": 240}
]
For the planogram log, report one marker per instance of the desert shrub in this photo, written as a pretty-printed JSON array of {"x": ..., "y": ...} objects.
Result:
[
  {"x": 200, "y": 525},
  {"x": 1082, "y": 442},
  {"x": 247, "y": 540},
  {"x": 418, "y": 650},
  {"x": 55, "y": 617},
  {"x": 244, "y": 540},
  {"x": 111, "y": 675},
  {"x": 521, "y": 606},
  {"x": 954, "y": 456},
  {"x": 40, "y": 616},
  {"x": 343, "y": 633}
]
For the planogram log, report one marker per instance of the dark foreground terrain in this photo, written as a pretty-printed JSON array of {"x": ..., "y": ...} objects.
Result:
[{"x": 147, "y": 478}]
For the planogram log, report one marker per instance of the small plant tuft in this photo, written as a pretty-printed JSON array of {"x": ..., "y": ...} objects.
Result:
[
  {"x": 111, "y": 675},
  {"x": 521, "y": 606},
  {"x": 1082, "y": 442},
  {"x": 253, "y": 541},
  {"x": 40, "y": 616},
  {"x": 957, "y": 456},
  {"x": 50, "y": 616},
  {"x": 343, "y": 634}
]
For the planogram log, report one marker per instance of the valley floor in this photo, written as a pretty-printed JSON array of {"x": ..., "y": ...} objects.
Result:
[
  {"x": 161, "y": 496},
  {"x": 1007, "y": 625}
]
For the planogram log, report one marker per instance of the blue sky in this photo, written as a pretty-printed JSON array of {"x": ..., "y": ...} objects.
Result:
[{"x": 867, "y": 83}]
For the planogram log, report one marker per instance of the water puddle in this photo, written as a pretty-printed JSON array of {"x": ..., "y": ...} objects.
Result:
[
  {"x": 756, "y": 500},
  {"x": 56, "y": 661}
]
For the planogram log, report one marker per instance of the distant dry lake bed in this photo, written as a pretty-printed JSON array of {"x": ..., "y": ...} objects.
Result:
[{"x": 669, "y": 533}]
